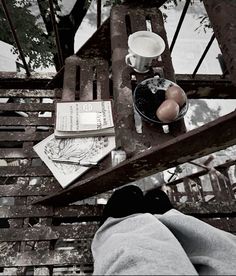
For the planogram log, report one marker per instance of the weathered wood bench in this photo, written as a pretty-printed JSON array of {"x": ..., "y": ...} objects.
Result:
[{"x": 55, "y": 240}]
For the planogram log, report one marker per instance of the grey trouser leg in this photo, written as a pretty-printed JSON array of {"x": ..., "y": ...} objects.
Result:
[
  {"x": 168, "y": 244},
  {"x": 138, "y": 245},
  {"x": 211, "y": 251}
]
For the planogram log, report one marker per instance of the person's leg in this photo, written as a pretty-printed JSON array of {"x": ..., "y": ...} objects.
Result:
[
  {"x": 137, "y": 244},
  {"x": 211, "y": 251}
]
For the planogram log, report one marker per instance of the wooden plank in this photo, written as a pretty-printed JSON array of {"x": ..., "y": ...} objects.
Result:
[
  {"x": 28, "y": 234},
  {"x": 206, "y": 86},
  {"x": 41, "y": 271},
  {"x": 22, "y": 136},
  {"x": 30, "y": 211},
  {"x": 158, "y": 158},
  {"x": 45, "y": 258},
  {"x": 126, "y": 136},
  {"x": 86, "y": 231},
  {"x": 69, "y": 80},
  {"x": 25, "y": 171},
  {"x": 103, "y": 89},
  {"x": 121, "y": 84},
  {"x": 33, "y": 76},
  {"x": 45, "y": 186},
  {"x": 33, "y": 107},
  {"x": 78, "y": 211},
  {"x": 227, "y": 182},
  {"x": 29, "y": 121},
  {"x": 45, "y": 233},
  {"x": 188, "y": 190},
  {"x": 19, "y": 80},
  {"x": 208, "y": 209},
  {"x": 86, "y": 80},
  {"x": 9, "y": 153},
  {"x": 30, "y": 93},
  {"x": 202, "y": 172},
  {"x": 22, "y": 211}
]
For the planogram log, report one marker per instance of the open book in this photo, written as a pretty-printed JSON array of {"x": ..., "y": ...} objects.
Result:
[
  {"x": 64, "y": 156},
  {"x": 84, "y": 119}
]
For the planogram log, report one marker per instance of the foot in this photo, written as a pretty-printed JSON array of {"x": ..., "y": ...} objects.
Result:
[
  {"x": 157, "y": 202},
  {"x": 124, "y": 202}
]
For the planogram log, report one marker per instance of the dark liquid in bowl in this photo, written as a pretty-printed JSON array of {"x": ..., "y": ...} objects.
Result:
[{"x": 148, "y": 102}]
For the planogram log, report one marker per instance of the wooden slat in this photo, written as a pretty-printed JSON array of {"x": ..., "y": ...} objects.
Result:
[
  {"x": 28, "y": 234},
  {"x": 76, "y": 211},
  {"x": 86, "y": 231},
  {"x": 22, "y": 136},
  {"x": 69, "y": 80},
  {"x": 188, "y": 190},
  {"x": 45, "y": 258},
  {"x": 33, "y": 107},
  {"x": 41, "y": 271},
  {"x": 86, "y": 80},
  {"x": 198, "y": 209},
  {"x": 208, "y": 209},
  {"x": 227, "y": 182},
  {"x": 181, "y": 194},
  {"x": 45, "y": 187},
  {"x": 102, "y": 83},
  {"x": 29, "y": 121},
  {"x": 121, "y": 85},
  {"x": 158, "y": 158},
  {"x": 44, "y": 233},
  {"x": 7, "y": 153},
  {"x": 206, "y": 86},
  {"x": 25, "y": 211},
  {"x": 24, "y": 171},
  {"x": 28, "y": 93},
  {"x": 202, "y": 172}
]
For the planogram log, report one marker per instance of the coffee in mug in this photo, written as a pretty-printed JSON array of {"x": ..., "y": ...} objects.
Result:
[{"x": 144, "y": 46}]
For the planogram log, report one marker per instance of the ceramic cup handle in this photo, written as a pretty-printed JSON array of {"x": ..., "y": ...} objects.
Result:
[{"x": 128, "y": 61}]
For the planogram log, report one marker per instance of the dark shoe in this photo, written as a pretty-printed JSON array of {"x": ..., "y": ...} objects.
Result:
[
  {"x": 124, "y": 202},
  {"x": 157, "y": 202}
]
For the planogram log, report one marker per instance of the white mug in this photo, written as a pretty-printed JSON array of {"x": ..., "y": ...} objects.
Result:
[{"x": 144, "y": 46}]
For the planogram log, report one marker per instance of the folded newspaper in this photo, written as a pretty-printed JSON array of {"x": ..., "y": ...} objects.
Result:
[
  {"x": 84, "y": 119},
  {"x": 69, "y": 158}
]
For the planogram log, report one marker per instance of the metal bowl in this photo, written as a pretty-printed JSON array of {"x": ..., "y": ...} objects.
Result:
[{"x": 149, "y": 95}]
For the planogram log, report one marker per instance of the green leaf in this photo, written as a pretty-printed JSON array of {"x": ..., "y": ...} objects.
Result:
[{"x": 38, "y": 48}]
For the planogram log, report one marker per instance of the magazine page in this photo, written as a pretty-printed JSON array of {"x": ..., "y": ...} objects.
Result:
[
  {"x": 67, "y": 152},
  {"x": 83, "y": 116}
]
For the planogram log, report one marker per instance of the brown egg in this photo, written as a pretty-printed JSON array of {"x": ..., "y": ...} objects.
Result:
[
  {"x": 177, "y": 94},
  {"x": 168, "y": 111}
]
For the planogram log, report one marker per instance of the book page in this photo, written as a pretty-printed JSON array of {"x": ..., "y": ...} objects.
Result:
[
  {"x": 91, "y": 149},
  {"x": 83, "y": 116}
]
